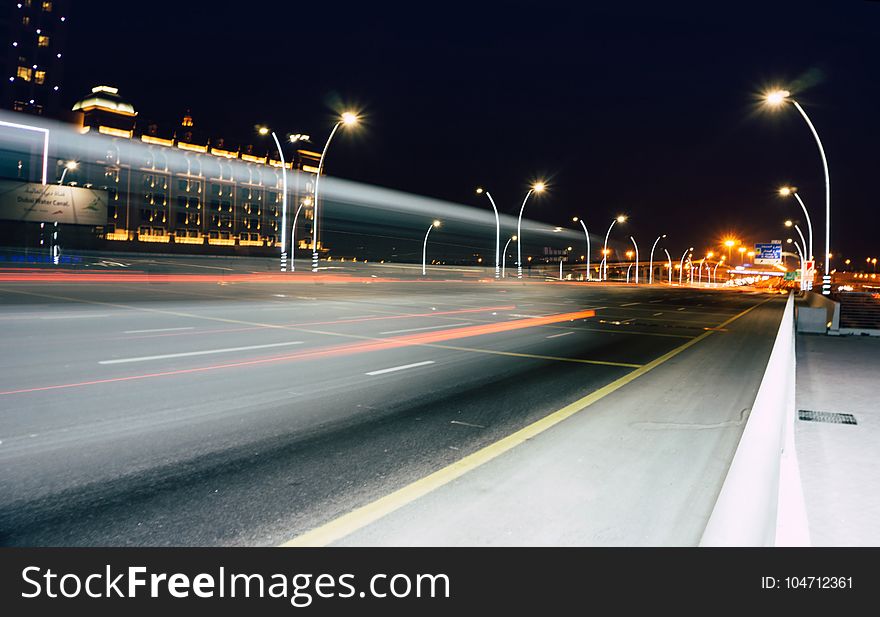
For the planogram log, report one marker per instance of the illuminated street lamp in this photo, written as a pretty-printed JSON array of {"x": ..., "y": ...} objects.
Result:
[
  {"x": 729, "y": 244},
  {"x": 504, "y": 257},
  {"x": 742, "y": 252},
  {"x": 800, "y": 255},
  {"x": 715, "y": 270},
  {"x": 305, "y": 202},
  {"x": 537, "y": 187},
  {"x": 68, "y": 166},
  {"x": 776, "y": 99},
  {"x": 264, "y": 130},
  {"x": 346, "y": 119},
  {"x": 681, "y": 265},
  {"x": 637, "y": 258},
  {"x": 798, "y": 229},
  {"x": 587, "y": 235},
  {"x": 604, "y": 267},
  {"x": 425, "y": 246},
  {"x": 651, "y": 261},
  {"x": 497, "y": 230},
  {"x": 785, "y": 191},
  {"x": 669, "y": 260}
]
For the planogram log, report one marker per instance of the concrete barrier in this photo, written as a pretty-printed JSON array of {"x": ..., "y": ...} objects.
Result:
[
  {"x": 817, "y": 314},
  {"x": 761, "y": 502}
]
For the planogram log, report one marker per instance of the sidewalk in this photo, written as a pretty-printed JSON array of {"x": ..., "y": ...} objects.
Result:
[{"x": 839, "y": 462}]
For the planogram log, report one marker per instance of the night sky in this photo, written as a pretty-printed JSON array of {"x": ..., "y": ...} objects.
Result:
[{"x": 649, "y": 109}]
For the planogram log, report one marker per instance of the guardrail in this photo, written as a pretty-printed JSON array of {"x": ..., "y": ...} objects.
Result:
[{"x": 761, "y": 502}]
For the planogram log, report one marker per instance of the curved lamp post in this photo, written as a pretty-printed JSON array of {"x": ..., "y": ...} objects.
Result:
[
  {"x": 785, "y": 191},
  {"x": 669, "y": 259},
  {"x": 347, "y": 119},
  {"x": 587, "y": 234},
  {"x": 425, "y": 246},
  {"x": 637, "y": 258},
  {"x": 604, "y": 275},
  {"x": 497, "y": 230},
  {"x": 68, "y": 166},
  {"x": 776, "y": 99},
  {"x": 305, "y": 202},
  {"x": 504, "y": 257},
  {"x": 681, "y": 265},
  {"x": 263, "y": 130},
  {"x": 537, "y": 187},
  {"x": 651, "y": 261}
]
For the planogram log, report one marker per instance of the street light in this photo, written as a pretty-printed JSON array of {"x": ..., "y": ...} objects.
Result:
[
  {"x": 742, "y": 252},
  {"x": 305, "y": 202},
  {"x": 637, "y": 258},
  {"x": 715, "y": 270},
  {"x": 681, "y": 265},
  {"x": 587, "y": 235},
  {"x": 651, "y": 261},
  {"x": 68, "y": 166},
  {"x": 776, "y": 99},
  {"x": 264, "y": 130},
  {"x": 729, "y": 244},
  {"x": 604, "y": 276},
  {"x": 346, "y": 119},
  {"x": 425, "y": 246},
  {"x": 504, "y": 257},
  {"x": 669, "y": 259},
  {"x": 785, "y": 191},
  {"x": 497, "y": 230},
  {"x": 537, "y": 187}
]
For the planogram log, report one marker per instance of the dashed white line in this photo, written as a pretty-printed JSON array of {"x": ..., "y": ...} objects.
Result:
[
  {"x": 466, "y": 424},
  {"x": 463, "y": 323},
  {"x": 198, "y": 353},
  {"x": 157, "y": 330},
  {"x": 629, "y": 304},
  {"x": 680, "y": 309},
  {"x": 560, "y": 334},
  {"x": 89, "y": 316},
  {"x": 399, "y": 368},
  {"x": 657, "y": 314}
]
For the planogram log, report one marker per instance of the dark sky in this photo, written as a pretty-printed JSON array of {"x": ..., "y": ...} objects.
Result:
[{"x": 644, "y": 108}]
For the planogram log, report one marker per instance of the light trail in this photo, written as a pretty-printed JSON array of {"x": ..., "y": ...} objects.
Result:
[{"x": 335, "y": 350}]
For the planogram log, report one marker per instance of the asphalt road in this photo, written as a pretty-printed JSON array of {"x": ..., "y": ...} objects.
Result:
[{"x": 152, "y": 411}]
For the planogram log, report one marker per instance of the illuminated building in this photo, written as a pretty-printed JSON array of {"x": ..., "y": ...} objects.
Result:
[
  {"x": 178, "y": 186},
  {"x": 34, "y": 33}
]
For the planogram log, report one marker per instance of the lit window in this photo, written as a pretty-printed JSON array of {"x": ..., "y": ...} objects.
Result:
[
  {"x": 42, "y": 41},
  {"x": 25, "y": 73},
  {"x": 47, "y": 6},
  {"x": 40, "y": 77},
  {"x": 25, "y": 21}
]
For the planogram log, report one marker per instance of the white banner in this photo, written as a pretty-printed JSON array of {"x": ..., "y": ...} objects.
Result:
[{"x": 69, "y": 205}]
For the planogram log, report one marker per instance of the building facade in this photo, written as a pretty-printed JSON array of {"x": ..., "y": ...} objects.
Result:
[
  {"x": 34, "y": 32},
  {"x": 175, "y": 187}
]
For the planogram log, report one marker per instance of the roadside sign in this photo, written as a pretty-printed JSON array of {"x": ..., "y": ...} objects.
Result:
[
  {"x": 768, "y": 253},
  {"x": 790, "y": 276}
]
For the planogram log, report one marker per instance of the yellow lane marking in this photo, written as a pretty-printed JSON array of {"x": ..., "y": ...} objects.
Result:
[
  {"x": 534, "y": 356},
  {"x": 359, "y": 518}
]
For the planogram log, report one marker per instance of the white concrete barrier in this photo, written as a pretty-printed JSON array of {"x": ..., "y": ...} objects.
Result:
[
  {"x": 817, "y": 314},
  {"x": 761, "y": 502}
]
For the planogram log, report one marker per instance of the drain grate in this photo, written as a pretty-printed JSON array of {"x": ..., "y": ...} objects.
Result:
[{"x": 826, "y": 416}]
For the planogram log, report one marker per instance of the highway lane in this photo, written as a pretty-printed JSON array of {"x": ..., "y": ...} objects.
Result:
[{"x": 243, "y": 443}]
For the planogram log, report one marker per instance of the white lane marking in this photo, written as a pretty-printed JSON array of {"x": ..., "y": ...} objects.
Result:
[
  {"x": 529, "y": 316},
  {"x": 399, "y": 368},
  {"x": 681, "y": 309},
  {"x": 157, "y": 330},
  {"x": 466, "y": 424},
  {"x": 629, "y": 304},
  {"x": 462, "y": 323},
  {"x": 656, "y": 301},
  {"x": 74, "y": 316},
  {"x": 562, "y": 334},
  {"x": 657, "y": 314},
  {"x": 198, "y": 353}
]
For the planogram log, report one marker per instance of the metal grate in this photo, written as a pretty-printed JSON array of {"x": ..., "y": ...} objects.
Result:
[{"x": 826, "y": 416}]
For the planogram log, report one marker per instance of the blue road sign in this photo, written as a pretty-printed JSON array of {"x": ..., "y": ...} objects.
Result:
[{"x": 768, "y": 253}]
